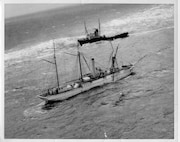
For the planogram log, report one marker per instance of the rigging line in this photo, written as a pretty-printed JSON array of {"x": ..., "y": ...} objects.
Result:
[
  {"x": 86, "y": 62},
  {"x": 96, "y": 62},
  {"x": 33, "y": 70},
  {"x": 64, "y": 66},
  {"x": 111, "y": 46},
  {"x": 48, "y": 61},
  {"x": 110, "y": 58},
  {"x": 111, "y": 55},
  {"x": 101, "y": 65},
  {"x": 70, "y": 54},
  {"x": 141, "y": 59},
  {"x": 48, "y": 80},
  {"x": 117, "y": 63},
  {"x": 75, "y": 70},
  {"x": 116, "y": 50}
]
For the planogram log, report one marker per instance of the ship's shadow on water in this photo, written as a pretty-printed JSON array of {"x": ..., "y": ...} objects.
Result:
[{"x": 49, "y": 105}]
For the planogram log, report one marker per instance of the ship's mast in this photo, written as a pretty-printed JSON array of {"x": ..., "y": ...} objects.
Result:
[
  {"x": 79, "y": 57},
  {"x": 99, "y": 27},
  {"x": 86, "y": 31},
  {"x": 54, "y": 46},
  {"x": 114, "y": 58}
]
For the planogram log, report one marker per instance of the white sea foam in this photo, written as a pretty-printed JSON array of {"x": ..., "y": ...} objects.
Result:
[
  {"x": 40, "y": 50},
  {"x": 157, "y": 17},
  {"x": 35, "y": 112}
]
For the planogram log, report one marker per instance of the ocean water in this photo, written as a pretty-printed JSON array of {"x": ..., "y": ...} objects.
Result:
[
  {"x": 33, "y": 33},
  {"x": 28, "y": 34},
  {"x": 59, "y": 23},
  {"x": 147, "y": 105}
]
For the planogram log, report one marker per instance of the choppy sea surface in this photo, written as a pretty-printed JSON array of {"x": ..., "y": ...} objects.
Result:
[
  {"x": 147, "y": 103},
  {"x": 62, "y": 23},
  {"x": 37, "y": 30}
]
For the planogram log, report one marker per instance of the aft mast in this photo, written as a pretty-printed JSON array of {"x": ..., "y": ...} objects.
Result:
[{"x": 80, "y": 67}]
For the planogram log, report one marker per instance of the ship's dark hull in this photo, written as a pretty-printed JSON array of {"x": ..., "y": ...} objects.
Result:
[{"x": 101, "y": 38}]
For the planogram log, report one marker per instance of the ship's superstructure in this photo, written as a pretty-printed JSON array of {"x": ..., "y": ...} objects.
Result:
[{"x": 96, "y": 77}]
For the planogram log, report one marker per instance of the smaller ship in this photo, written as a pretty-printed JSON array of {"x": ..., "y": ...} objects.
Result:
[
  {"x": 96, "y": 35},
  {"x": 97, "y": 77}
]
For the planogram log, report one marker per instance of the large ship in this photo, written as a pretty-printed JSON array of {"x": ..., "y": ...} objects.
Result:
[
  {"x": 96, "y": 36},
  {"x": 97, "y": 77}
]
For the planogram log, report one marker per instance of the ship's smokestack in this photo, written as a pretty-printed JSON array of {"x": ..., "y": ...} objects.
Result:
[{"x": 93, "y": 67}]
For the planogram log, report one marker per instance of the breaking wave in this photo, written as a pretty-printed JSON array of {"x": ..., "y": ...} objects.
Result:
[{"x": 152, "y": 18}]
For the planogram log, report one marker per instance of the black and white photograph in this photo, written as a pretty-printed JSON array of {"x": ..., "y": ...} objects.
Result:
[{"x": 89, "y": 71}]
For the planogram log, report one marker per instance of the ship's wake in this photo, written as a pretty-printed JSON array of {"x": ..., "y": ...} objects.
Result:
[{"x": 35, "y": 112}]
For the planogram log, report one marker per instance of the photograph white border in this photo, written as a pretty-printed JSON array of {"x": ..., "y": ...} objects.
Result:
[{"x": 176, "y": 65}]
